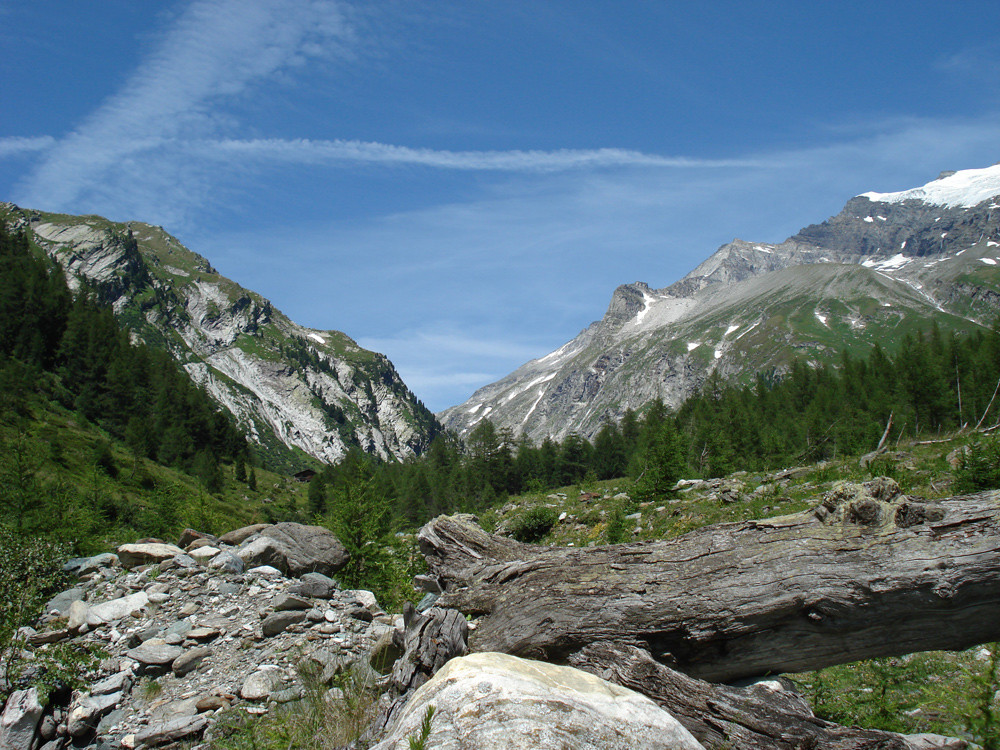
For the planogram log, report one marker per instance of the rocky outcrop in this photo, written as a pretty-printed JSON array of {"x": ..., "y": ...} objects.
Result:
[
  {"x": 286, "y": 385},
  {"x": 501, "y": 702}
]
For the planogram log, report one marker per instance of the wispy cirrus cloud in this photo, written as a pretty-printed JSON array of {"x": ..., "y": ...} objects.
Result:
[
  {"x": 18, "y": 145},
  {"x": 216, "y": 50},
  {"x": 332, "y": 151},
  {"x": 159, "y": 148}
]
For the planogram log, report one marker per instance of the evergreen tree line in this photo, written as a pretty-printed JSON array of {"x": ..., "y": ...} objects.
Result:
[
  {"x": 71, "y": 349},
  {"x": 931, "y": 384}
]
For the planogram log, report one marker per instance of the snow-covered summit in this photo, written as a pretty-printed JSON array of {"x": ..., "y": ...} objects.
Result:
[{"x": 963, "y": 189}]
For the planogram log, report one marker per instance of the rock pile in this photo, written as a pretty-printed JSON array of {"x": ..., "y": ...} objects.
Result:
[{"x": 184, "y": 632}]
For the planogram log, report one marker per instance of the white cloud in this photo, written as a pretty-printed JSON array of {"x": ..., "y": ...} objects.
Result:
[
  {"x": 16, "y": 145},
  {"x": 325, "y": 151}
]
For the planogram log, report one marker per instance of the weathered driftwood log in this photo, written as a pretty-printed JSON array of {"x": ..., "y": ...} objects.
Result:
[
  {"x": 758, "y": 717},
  {"x": 868, "y": 573},
  {"x": 429, "y": 640}
]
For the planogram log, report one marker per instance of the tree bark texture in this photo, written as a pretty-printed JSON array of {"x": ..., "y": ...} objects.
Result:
[
  {"x": 764, "y": 716},
  {"x": 868, "y": 573}
]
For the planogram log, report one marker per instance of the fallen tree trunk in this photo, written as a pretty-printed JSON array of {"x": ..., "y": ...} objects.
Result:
[
  {"x": 765, "y": 716},
  {"x": 868, "y": 573}
]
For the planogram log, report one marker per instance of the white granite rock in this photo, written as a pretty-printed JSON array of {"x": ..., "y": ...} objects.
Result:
[{"x": 495, "y": 701}]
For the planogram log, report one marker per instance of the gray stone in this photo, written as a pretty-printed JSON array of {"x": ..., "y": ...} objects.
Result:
[
  {"x": 265, "y": 571},
  {"x": 116, "y": 609},
  {"x": 109, "y": 720},
  {"x": 204, "y": 553},
  {"x": 290, "y": 602},
  {"x": 259, "y": 685},
  {"x": 134, "y": 555},
  {"x": 190, "y": 660},
  {"x": 316, "y": 585},
  {"x": 171, "y": 730},
  {"x": 492, "y": 701},
  {"x": 227, "y": 562},
  {"x": 81, "y": 566},
  {"x": 203, "y": 634},
  {"x": 19, "y": 719},
  {"x": 278, "y": 622},
  {"x": 86, "y": 713},
  {"x": 229, "y": 589},
  {"x": 113, "y": 684},
  {"x": 60, "y": 603},
  {"x": 173, "y": 709},
  {"x": 154, "y": 654},
  {"x": 239, "y": 536},
  {"x": 181, "y": 628},
  {"x": 295, "y": 549},
  {"x": 47, "y": 728}
]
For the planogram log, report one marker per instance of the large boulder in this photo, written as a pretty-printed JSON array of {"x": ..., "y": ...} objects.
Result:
[
  {"x": 295, "y": 549},
  {"x": 238, "y": 536},
  {"x": 493, "y": 701},
  {"x": 114, "y": 610},
  {"x": 133, "y": 555},
  {"x": 19, "y": 719}
]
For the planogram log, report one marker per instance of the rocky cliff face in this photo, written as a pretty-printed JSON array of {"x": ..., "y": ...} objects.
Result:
[
  {"x": 291, "y": 388},
  {"x": 886, "y": 265}
]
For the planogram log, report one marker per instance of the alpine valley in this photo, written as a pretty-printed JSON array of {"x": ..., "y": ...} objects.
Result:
[
  {"x": 887, "y": 265},
  {"x": 295, "y": 391}
]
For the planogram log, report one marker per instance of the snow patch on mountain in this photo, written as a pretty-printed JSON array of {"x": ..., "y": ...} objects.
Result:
[
  {"x": 965, "y": 189},
  {"x": 894, "y": 263}
]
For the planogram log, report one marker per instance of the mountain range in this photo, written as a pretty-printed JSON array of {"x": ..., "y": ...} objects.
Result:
[{"x": 887, "y": 265}]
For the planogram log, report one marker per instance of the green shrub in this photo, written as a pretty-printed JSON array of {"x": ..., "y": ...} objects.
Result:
[
  {"x": 30, "y": 572},
  {"x": 534, "y": 524},
  {"x": 615, "y": 532},
  {"x": 980, "y": 467}
]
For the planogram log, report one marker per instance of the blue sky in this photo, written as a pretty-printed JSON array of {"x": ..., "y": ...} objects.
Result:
[{"x": 462, "y": 184}]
